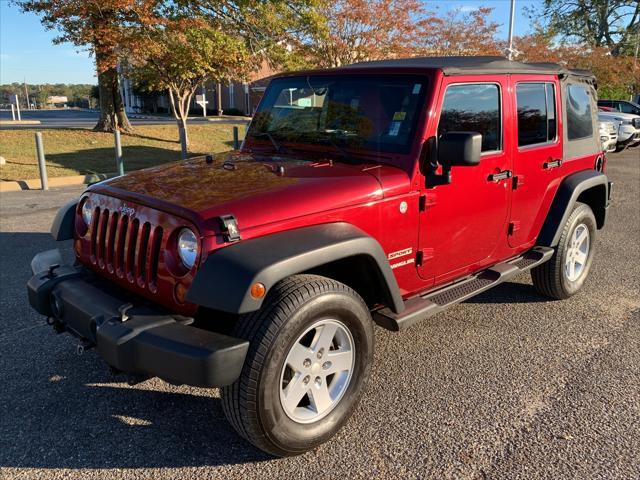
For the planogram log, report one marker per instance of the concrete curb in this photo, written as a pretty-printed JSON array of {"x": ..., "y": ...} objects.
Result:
[
  {"x": 19, "y": 122},
  {"x": 229, "y": 119},
  {"x": 34, "y": 184}
]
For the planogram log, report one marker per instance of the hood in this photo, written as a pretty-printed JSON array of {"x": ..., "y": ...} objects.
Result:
[
  {"x": 256, "y": 190},
  {"x": 617, "y": 115}
]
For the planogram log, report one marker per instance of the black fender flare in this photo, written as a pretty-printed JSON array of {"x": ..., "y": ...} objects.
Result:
[
  {"x": 224, "y": 280},
  {"x": 589, "y": 184},
  {"x": 64, "y": 222}
]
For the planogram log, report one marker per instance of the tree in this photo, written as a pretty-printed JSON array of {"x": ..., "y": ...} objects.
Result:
[
  {"x": 359, "y": 30},
  {"x": 598, "y": 23},
  {"x": 100, "y": 27},
  {"x": 616, "y": 76},
  {"x": 461, "y": 33},
  {"x": 180, "y": 55},
  {"x": 218, "y": 40}
]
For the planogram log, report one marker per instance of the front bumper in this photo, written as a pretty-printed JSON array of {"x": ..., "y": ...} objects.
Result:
[
  {"x": 628, "y": 135},
  {"x": 130, "y": 336}
]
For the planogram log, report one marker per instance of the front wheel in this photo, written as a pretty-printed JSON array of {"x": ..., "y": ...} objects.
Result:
[
  {"x": 311, "y": 347},
  {"x": 564, "y": 274}
]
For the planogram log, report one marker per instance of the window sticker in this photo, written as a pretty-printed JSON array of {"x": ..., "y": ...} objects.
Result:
[
  {"x": 394, "y": 129},
  {"x": 304, "y": 102},
  {"x": 416, "y": 88},
  {"x": 399, "y": 116}
]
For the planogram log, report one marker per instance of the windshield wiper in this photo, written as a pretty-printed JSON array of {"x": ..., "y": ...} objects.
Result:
[
  {"x": 345, "y": 155},
  {"x": 275, "y": 144}
]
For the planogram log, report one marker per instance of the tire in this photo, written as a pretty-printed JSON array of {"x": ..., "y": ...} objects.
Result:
[
  {"x": 555, "y": 278},
  {"x": 254, "y": 404}
]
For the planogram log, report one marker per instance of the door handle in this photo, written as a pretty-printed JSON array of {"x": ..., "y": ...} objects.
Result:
[
  {"x": 552, "y": 164},
  {"x": 503, "y": 175}
]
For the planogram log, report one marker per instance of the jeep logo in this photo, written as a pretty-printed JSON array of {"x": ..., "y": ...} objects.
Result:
[{"x": 127, "y": 210}]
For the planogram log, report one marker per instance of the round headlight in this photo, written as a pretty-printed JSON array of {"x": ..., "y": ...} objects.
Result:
[
  {"x": 187, "y": 247},
  {"x": 87, "y": 212}
]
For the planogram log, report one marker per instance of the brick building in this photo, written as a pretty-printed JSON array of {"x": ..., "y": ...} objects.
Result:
[{"x": 238, "y": 98}]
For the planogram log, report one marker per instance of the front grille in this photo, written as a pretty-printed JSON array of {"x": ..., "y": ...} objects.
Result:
[{"x": 126, "y": 247}]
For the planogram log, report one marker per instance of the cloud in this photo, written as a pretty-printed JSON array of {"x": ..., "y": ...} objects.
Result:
[{"x": 468, "y": 8}]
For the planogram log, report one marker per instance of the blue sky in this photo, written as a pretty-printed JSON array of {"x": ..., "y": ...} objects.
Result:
[{"x": 27, "y": 51}]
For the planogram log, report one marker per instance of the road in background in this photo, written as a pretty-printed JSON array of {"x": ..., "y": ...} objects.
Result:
[
  {"x": 76, "y": 118},
  {"x": 508, "y": 385}
]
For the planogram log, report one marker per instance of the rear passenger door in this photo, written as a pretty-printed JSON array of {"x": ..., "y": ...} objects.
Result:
[{"x": 537, "y": 154}]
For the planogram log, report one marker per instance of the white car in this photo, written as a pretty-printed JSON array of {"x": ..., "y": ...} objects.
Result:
[
  {"x": 628, "y": 127},
  {"x": 608, "y": 136}
]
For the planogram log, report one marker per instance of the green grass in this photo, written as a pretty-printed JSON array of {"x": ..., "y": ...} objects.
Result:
[{"x": 81, "y": 152}]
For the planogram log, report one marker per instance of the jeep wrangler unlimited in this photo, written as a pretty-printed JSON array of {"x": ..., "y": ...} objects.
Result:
[{"x": 383, "y": 192}]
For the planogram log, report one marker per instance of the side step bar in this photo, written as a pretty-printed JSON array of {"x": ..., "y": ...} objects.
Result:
[{"x": 422, "y": 307}]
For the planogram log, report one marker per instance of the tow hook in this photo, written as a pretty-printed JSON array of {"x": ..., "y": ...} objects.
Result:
[
  {"x": 123, "y": 309},
  {"x": 52, "y": 270},
  {"x": 83, "y": 346},
  {"x": 57, "y": 325}
]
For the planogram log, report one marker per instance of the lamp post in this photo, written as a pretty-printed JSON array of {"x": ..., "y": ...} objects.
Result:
[{"x": 511, "y": 19}]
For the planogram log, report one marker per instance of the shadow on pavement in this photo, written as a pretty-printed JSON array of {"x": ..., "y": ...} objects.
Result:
[
  {"x": 510, "y": 292},
  {"x": 61, "y": 410}
]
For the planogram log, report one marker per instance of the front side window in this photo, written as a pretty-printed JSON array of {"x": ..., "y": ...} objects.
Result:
[
  {"x": 473, "y": 108},
  {"x": 579, "y": 124},
  {"x": 375, "y": 113},
  {"x": 536, "y": 113}
]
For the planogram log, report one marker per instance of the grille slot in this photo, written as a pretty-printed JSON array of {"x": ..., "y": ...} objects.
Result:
[
  {"x": 111, "y": 240},
  {"x": 119, "y": 246},
  {"x": 141, "y": 255},
  {"x": 101, "y": 238},
  {"x": 129, "y": 248},
  {"x": 154, "y": 258}
]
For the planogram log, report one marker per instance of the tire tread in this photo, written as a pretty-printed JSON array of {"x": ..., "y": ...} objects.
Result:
[
  {"x": 261, "y": 328},
  {"x": 547, "y": 278}
]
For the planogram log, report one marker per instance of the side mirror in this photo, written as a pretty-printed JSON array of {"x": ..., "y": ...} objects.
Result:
[{"x": 459, "y": 149}]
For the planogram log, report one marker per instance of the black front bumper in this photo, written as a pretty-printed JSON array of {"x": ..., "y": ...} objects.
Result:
[{"x": 131, "y": 337}]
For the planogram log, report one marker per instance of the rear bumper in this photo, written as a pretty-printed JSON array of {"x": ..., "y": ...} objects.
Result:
[{"x": 129, "y": 336}]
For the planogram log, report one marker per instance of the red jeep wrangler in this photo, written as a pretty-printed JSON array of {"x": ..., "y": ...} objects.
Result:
[{"x": 380, "y": 192}]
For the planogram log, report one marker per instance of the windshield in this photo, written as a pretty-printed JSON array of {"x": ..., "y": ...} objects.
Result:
[{"x": 349, "y": 114}]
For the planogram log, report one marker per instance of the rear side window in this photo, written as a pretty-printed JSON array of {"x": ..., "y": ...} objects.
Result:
[
  {"x": 627, "y": 108},
  {"x": 536, "y": 113},
  {"x": 473, "y": 108},
  {"x": 579, "y": 123}
]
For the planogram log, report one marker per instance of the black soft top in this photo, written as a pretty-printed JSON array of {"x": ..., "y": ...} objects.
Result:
[{"x": 471, "y": 65}]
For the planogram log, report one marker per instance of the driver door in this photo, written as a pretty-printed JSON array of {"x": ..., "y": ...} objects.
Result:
[{"x": 465, "y": 222}]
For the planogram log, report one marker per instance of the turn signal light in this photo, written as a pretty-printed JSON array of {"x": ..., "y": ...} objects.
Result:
[
  {"x": 180, "y": 293},
  {"x": 258, "y": 290}
]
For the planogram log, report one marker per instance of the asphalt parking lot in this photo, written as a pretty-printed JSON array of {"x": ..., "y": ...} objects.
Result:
[{"x": 508, "y": 385}]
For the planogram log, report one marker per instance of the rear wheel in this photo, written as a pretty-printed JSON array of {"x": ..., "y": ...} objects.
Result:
[
  {"x": 311, "y": 347},
  {"x": 564, "y": 274}
]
